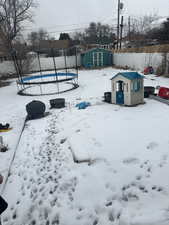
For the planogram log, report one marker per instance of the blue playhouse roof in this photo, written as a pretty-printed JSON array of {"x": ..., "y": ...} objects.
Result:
[{"x": 129, "y": 75}]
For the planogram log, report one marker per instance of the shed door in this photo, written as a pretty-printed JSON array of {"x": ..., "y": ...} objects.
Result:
[{"x": 98, "y": 59}]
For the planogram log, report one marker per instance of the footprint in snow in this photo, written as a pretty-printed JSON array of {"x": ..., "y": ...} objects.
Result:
[
  {"x": 33, "y": 222},
  {"x": 156, "y": 188},
  {"x": 18, "y": 202},
  {"x": 63, "y": 140},
  {"x": 138, "y": 177},
  {"x": 145, "y": 164},
  {"x": 86, "y": 125},
  {"x": 160, "y": 165},
  {"x": 14, "y": 216},
  {"x": 77, "y": 131},
  {"x": 165, "y": 157},
  {"x": 163, "y": 161},
  {"x": 152, "y": 145},
  {"x": 6, "y": 219},
  {"x": 130, "y": 160},
  {"x": 97, "y": 144},
  {"x": 56, "y": 220}
]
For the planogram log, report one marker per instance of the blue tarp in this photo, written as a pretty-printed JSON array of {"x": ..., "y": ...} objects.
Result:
[{"x": 83, "y": 105}]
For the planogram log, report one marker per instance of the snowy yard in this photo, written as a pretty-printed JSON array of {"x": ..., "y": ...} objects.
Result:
[{"x": 105, "y": 165}]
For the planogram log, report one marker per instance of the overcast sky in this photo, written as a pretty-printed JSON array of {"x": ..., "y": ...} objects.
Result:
[{"x": 67, "y": 15}]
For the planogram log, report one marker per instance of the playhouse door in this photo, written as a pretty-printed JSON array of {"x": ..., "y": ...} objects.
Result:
[{"x": 120, "y": 92}]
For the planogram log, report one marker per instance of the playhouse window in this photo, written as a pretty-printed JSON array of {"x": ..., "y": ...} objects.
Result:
[
  {"x": 119, "y": 85},
  {"x": 127, "y": 87},
  {"x": 136, "y": 85}
]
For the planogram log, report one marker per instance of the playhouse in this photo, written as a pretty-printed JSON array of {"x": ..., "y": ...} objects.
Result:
[{"x": 127, "y": 88}]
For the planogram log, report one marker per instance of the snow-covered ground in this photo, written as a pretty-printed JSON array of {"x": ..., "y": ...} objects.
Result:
[{"x": 107, "y": 164}]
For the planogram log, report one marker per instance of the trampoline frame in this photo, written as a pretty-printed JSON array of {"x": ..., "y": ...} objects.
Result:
[{"x": 24, "y": 83}]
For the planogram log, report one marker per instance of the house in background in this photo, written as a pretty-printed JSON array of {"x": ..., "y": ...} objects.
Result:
[
  {"x": 96, "y": 57},
  {"x": 59, "y": 46},
  {"x": 127, "y": 88},
  {"x": 108, "y": 46}
]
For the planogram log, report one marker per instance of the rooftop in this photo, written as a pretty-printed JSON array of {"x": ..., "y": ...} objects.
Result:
[{"x": 129, "y": 75}]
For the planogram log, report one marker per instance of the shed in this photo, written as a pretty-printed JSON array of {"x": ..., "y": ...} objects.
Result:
[
  {"x": 127, "y": 88},
  {"x": 96, "y": 57}
]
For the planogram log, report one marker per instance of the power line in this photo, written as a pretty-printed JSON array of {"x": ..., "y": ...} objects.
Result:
[
  {"x": 73, "y": 30},
  {"x": 67, "y": 30}
]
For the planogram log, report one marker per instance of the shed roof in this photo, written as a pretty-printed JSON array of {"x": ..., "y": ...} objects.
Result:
[{"x": 129, "y": 75}]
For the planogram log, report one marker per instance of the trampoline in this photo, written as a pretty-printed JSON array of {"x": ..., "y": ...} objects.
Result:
[
  {"x": 49, "y": 83},
  {"x": 64, "y": 76}
]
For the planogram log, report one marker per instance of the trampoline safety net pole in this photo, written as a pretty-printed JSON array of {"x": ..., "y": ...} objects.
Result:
[
  {"x": 76, "y": 63},
  {"x": 40, "y": 69},
  {"x": 54, "y": 63},
  {"x": 65, "y": 62},
  {"x": 18, "y": 70}
]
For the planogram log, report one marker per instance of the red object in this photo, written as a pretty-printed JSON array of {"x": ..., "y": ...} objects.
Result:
[
  {"x": 148, "y": 70},
  {"x": 164, "y": 92}
]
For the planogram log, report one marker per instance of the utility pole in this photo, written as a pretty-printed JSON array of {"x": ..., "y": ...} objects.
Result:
[
  {"x": 121, "y": 31},
  {"x": 129, "y": 29},
  {"x": 120, "y": 7},
  {"x": 118, "y": 22}
]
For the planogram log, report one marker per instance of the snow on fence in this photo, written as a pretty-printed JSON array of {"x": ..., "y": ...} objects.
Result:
[
  {"x": 138, "y": 61},
  {"x": 7, "y": 67}
]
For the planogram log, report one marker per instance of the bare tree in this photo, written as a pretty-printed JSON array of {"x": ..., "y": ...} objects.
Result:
[
  {"x": 35, "y": 37},
  {"x": 96, "y": 33},
  {"x": 140, "y": 25},
  {"x": 13, "y": 13}
]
